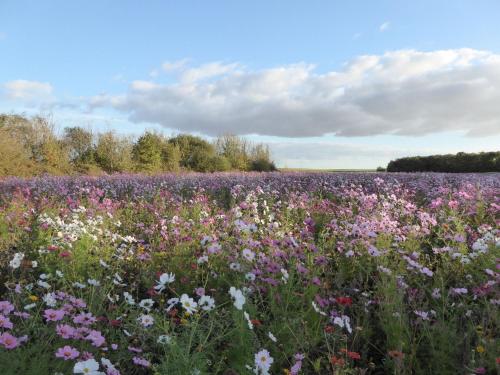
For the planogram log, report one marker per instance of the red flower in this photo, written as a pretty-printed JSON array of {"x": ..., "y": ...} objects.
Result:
[
  {"x": 353, "y": 355},
  {"x": 337, "y": 361},
  {"x": 329, "y": 329},
  {"x": 346, "y": 301}
]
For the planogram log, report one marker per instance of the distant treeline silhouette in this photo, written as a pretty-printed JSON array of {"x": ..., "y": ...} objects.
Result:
[
  {"x": 459, "y": 163},
  {"x": 31, "y": 147}
]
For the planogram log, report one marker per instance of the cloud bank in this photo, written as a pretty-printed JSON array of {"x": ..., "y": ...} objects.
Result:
[{"x": 404, "y": 92}]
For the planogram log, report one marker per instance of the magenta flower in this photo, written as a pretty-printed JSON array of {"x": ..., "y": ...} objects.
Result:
[
  {"x": 5, "y": 322},
  {"x": 67, "y": 352},
  {"x": 85, "y": 319},
  {"x": 54, "y": 315},
  {"x": 65, "y": 331},
  {"x": 6, "y": 307},
  {"x": 96, "y": 337},
  {"x": 141, "y": 361},
  {"x": 8, "y": 341}
]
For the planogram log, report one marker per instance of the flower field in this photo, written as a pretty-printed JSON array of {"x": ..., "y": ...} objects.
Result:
[{"x": 279, "y": 273}]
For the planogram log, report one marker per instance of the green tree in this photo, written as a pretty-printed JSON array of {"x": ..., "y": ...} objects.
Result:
[
  {"x": 113, "y": 153},
  {"x": 147, "y": 152}
]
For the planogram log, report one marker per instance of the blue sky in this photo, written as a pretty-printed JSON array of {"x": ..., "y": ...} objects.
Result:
[{"x": 327, "y": 84}]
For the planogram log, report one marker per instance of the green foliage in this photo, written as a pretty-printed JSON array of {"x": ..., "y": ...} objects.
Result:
[
  {"x": 30, "y": 147},
  {"x": 113, "y": 153},
  {"x": 459, "y": 163}
]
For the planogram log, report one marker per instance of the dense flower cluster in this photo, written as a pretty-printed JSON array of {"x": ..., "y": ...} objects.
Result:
[{"x": 250, "y": 274}]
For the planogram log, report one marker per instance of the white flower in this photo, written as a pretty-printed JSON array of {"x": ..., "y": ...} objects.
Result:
[
  {"x": 164, "y": 339},
  {"x": 76, "y": 284},
  {"x": 250, "y": 276},
  {"x": 34, "y": 264},
  {"x": 103, "y": 263},
  {"x": 247, "y": 317},
  {"x": 207, "y": 303},
  {"x": 30, "y": 306},
  {"x": 248, "y": 254},
  {"x": 202, "y": 259},
  {"x": 50, "y": 299},
  {"x": 171, "y": 303},
  {"x": 343, "y": 322},
  {"x": 422, "y": 314},
  {"x": 188, "y": 303},
  {"x": 239, "y": 298},
  {"x": 317, "y": 309},
  {"x": 272, "y": 337},
  {"x": 59, "y": 273},
  {"x": 146, "y": 320},
  {"x": 93, "y": 282},
  {"x": 128, "y": 298},
  {"x": 88, "y": 367},
  {"x": 235, "y": 266},
  {"x": 436, "y": 293},
  {"x": 107, "y": 363},
  {"x": 147, "y": 304},
  {"x": 165, "y": 278},
  {"x": 43, "y": 284},
  {"x": 263, "y": 362},
  {"x": 285, "y": 276},
  {"x": 16, "y": 261},
  {"x": 117, "y": 280}
]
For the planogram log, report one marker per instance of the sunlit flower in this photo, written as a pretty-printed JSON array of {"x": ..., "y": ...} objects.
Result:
[
  {"x": 88, "y": 367},
  {"x": 188, "y": 304}
]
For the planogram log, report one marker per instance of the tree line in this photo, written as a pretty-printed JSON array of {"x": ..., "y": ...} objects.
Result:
[
  {"x": 30, "y": 147},
  {"x": 459, "y": 163}
]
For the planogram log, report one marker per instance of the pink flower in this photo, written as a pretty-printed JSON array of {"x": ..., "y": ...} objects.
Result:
[
  {"x": 54, "y": 315},
  {"x": 141, "y": 361},
  {"x": 96, "y": 337},
  {"x": 8, "y": 341},
  {"x": 67, "y": 352},
  {"x": 5, "y": 322},
  {"x": 85, "y": 319},
  {"x": 6, "y": 307},
  {"x": 65, "y": 331},
  {"x": 78, "y": 302}
]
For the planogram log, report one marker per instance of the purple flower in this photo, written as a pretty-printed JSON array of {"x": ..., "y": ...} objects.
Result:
[{"x": 67, "y": 352}]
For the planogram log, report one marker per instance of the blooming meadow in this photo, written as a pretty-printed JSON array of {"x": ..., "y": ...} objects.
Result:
[{"x": 280, "y": 273}]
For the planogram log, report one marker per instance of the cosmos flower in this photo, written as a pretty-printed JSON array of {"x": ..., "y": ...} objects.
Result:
[
  {"x": 188, "y": 304},
  {"x": 67, "y": 352},
  {"x": 88, "y": 367},
  {"x": 165, "y": 278},
  {"x": 207, "y": 303},
  {"x": 238, "y": 297},
  {"x": 146, "y": 320},
  {"x": 263, "y": 362}
]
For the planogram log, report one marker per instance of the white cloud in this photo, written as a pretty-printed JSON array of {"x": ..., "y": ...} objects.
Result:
[
  {"x": 206, "y": 71},
  {"x": 403, "y": 92},
  {"x": 172, "y": 66},
  {"x": 28, "y": 92},
  {"x": 384, "y": 26}
]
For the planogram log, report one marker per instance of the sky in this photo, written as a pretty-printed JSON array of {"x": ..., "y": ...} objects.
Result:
[{"x": 326, "y": 84}]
